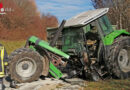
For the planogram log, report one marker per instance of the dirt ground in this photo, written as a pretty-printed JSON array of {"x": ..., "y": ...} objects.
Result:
[{"x": 51, "y": 84}]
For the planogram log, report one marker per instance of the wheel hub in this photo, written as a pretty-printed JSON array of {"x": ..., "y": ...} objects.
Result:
[{"x": 26, "y": 67}]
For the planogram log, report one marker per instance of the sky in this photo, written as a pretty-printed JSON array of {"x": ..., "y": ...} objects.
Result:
[{"x": 64, "y": 9}]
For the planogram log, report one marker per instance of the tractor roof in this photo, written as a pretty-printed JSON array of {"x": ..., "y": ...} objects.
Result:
[{"x": 85, "y": 18}]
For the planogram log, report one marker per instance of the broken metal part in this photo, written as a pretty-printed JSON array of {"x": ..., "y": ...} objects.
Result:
[{"x": 56, "y": 60}]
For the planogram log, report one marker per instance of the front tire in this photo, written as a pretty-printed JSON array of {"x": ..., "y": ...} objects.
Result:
[{"x": 25, "y": 65}]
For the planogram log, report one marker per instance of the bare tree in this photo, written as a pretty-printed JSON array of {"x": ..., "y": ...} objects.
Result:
[{"x": 119, "y": 11}]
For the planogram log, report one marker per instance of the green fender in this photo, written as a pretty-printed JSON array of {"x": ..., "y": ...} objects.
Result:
[{"x": 109, "y": 39}]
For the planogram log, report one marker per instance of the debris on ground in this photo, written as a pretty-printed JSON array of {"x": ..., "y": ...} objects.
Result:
[{"x": 49, "y": 84}]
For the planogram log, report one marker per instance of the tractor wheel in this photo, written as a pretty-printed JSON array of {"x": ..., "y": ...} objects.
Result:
[
  {"x": 25, "y": 65},
  {"x": 118, "y": 62}
]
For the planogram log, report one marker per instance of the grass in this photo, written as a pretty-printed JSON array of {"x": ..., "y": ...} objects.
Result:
[
  {"x": 101, "y": 85},
  {"x": 12, "y": 45},
  {"x": 108, "y": 85}
]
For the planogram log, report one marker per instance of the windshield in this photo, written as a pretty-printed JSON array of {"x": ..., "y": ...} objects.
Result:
[
  {"x": 105, "y": 25},
  {"x": 72, "y": 38}
]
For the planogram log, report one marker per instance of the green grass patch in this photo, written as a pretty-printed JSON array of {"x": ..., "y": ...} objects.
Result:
[
  {"x": 12, "y": 45},
  {"x": 108, "y": 85}
]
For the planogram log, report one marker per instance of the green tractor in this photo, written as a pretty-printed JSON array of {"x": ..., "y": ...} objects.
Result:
[{"x": 87, "y": 47}]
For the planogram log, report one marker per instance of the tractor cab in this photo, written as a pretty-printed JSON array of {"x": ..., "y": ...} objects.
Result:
[{"x": 84, "y": 32}]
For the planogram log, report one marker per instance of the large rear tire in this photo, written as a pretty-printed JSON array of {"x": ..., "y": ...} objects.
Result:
[
  {"x": 25, "y": 65},
  {"x": 118, "y": 62}
]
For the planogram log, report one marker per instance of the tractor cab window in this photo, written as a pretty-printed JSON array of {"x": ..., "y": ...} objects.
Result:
[
  {"x": 105, "y": 25},
  {"x": 72, "y": 39}
]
